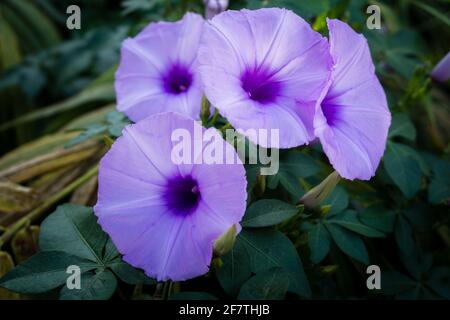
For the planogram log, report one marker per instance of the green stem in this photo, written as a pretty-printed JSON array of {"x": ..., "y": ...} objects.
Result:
[
  {"x": 214, "y": 118},
  {"x": 37, "y": 212},
  {"x": 166, "y": 290},
  {"x": 158, "y": 294},
  {"x": 225, "y": 127}
]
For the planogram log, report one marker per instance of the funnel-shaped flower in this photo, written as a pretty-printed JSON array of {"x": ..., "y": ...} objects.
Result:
[
  {"x": 264, "y": 69},
  {"x": 353, "y": 119},
  {"x": 157, "y": 70},
  {"x": 164, "y": 217}
]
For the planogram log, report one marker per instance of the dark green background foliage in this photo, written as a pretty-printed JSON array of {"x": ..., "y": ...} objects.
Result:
[{"x": 399, "y": 220}]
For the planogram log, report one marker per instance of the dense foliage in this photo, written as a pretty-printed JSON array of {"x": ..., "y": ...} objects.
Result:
[{"x": 58, "y": 118}]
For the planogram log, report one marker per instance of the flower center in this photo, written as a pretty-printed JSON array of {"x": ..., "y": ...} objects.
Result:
[
  {"x": 182, "y": 195},
  {"x": 329, "y": 112},
  {"x": 177, "y": 80},
  {"x": 260, "y": 85}
]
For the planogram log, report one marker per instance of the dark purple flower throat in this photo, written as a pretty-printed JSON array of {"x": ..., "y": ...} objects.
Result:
[{"x": 182, "y": 195}]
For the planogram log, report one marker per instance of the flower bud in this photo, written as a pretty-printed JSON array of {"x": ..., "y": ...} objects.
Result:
[
  {"x": 205, "y": 111},
  {"x": 213, "y": 7},
  {"x": 25, "y": 243},
  {"x": 225, "y": 242},
  {"x": 320, "y": 192},
  {"x": 328, "y": 270},
  {"x": 260, "y": 185},
  {"x": 441, "y": 71},
  {"x": 6, "y": 264}
]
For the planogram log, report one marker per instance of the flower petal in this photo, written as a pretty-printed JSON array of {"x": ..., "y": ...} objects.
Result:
[
  {"x": 144, "y": 70},
  {"x": 353, "y": 119},
  {"x": 135, "y": 178},
  {"x": 263, "y": 69}
]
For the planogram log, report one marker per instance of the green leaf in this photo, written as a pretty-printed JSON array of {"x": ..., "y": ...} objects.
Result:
[
  {"x": 403, "y": 168},
  {"x": 291, "y": 184},
  {"x": 73, "y": 229},
  {"x": 349, "y": 220},
  {"x": 443, "y": 17},
  {"x": 116, "y": 122},
  {"x": 439, "y": 189},
  {"x": 378, "y": 218},
  {"x": 401, "y": 126},
  {"x": 42, "y": 272},
  {"x": 338, "y": 200},
  {"x": 350, "y": 243},
  {"x": 270, "y": 248},
  {"x": 123, "y": 270},
  {"x": 93, "y": 286},
  {"x": 268, "y": 212},
  {"x": 403, "y": 235},
  {"x": 128, "y": 274},
  {"x": 236, "y": 268},
  {"x": 439, "y": 281},
  {"x": 90, "y": 132},
  {"x": 271, "y": 284},
  {"x": 293, "y": 166},
  {"x": 299, "y": 165},
  {"x": 319, "y": 242},
  {"x": 393, "y": 282}
]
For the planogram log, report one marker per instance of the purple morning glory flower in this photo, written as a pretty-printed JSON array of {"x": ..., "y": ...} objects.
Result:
[
  {"x": 353, "y": 119},
  {"x": 157, "y": 70},
  {"x": 163, "y": 217},
  {"x": 441, "y": 72},
  {"x": 264, "y": 69}
]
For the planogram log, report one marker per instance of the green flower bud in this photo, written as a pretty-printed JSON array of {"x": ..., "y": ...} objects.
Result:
[
  {"x": 225, "y": 242},
  {"x": 6, "y": 264},
  {"x": 320, "y": 192}
]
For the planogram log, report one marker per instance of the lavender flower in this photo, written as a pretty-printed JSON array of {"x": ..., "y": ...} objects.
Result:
[
  {"x": 441, "y": 72},
  {"x": 157, "y": 71},
  {"x": 264, "y": 69},
  {"x": 164, "y": 218},
  {"x": 213, "y": 7},
  {"x": 353, "y": 119}
]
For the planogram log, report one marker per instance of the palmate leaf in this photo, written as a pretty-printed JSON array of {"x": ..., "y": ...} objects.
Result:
[
  {"x": 73, "y": 229},
  {"x": 268, "y": 212},
  {"x": 235, "y": 270},
  {"x": 404, "y": 235},
  {"x": 402, "y": 126},
  {"x": 71, "y": 236},
  {"x": 271, "y": 284},
  {"x": 319, "y": 242},
  {"x": 378, "y": 217},
  {"x": 344, "y": 229},
  {"x": 99, "y": 286},
  {"x": 270, "y": 248},
  {"x": 293, "y": 165},
  {"x": 401, "y": 164},
  {"x": 338, "y": 200},
  {"x": 439, "y": 189},
  {"x": 349, "y": 242},
  {"x": 121, "y": 269},
  {"x": 44, "y": 271},
  {"x": 349, "y": 220}
]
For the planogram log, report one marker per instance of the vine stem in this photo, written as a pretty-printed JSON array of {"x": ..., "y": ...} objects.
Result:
[{"x": 37, "y": 212}]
